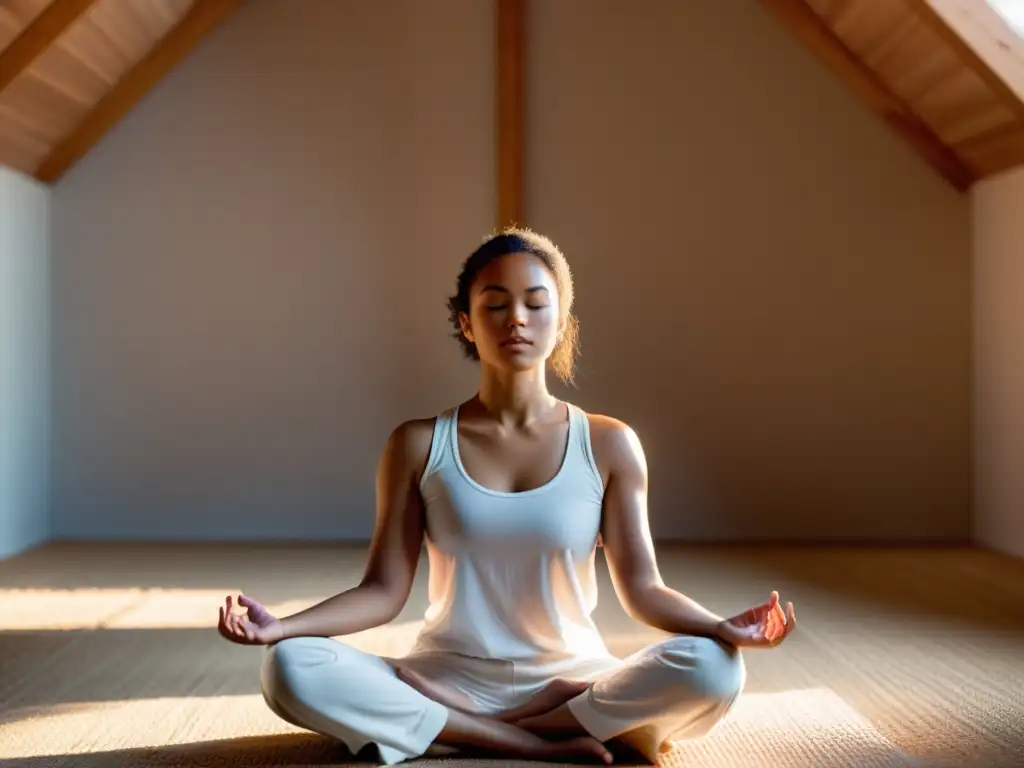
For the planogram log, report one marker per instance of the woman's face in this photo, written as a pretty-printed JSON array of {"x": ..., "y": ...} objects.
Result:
[{"x": 513, "y": 312}]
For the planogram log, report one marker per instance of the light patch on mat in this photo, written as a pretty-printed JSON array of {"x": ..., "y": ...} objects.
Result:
[
  {"x": 804, "y": 727},
  {"x": 83, "y": 728},
  {"x": 68, "y": 609},
  {"x": 810, "y": 727}
]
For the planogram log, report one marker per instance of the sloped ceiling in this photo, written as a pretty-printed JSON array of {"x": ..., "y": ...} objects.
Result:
[
  {"x": 940, "y": 73},
  {"x": 70, "y": 69}
]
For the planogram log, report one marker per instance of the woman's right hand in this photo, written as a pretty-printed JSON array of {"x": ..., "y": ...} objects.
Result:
[{"x": 255, "y": 627}]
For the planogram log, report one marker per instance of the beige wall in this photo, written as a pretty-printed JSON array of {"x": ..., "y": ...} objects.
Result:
[
  {"x": 774, "y": 289},
  {"x": 24, "y": 362},
  {"x": 252, "y": 271},
  {"x": 999, "y": 362}
]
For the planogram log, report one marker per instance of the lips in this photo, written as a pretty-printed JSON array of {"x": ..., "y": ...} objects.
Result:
[{"x": 515, "y": 341}]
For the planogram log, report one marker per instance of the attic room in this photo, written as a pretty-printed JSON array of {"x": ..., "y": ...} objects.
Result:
[{"x": 280, "y": 413}]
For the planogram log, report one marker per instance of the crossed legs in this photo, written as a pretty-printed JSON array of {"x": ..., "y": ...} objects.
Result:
[
  {"x": 330, "y": 688},
  {"x": 679, "y": 688},
  {"x": 545, "y": 701}
]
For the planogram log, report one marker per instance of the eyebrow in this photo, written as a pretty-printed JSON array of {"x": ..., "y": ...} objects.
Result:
[{"x": 503, "y": 289}]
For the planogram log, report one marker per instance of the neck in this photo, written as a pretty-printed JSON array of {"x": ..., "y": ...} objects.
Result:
[{"x": 519, "y": 397}]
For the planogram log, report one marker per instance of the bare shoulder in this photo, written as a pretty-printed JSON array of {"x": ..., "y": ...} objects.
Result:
[
  {"x": 412, "y": 434},
  {"x": 409, "y": 444},
  {"x": 616, "y": 446}
]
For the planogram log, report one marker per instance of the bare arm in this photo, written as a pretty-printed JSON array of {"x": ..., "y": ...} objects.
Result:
[
  {"x": 626, "y": 534},
  {"x": 394, "y": 549}
]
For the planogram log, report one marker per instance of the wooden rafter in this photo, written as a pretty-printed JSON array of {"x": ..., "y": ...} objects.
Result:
[
  {"x": 994, "y": 151},
  {"x": 201, "y": 18},
  {"x": 814, "y": 33},
  {"x": 38, "y": 36},
  {"x": 509, "y": 117},
  {"x": 967, "y": 54}
]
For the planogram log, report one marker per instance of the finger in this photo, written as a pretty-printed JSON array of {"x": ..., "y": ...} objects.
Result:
[
  {"x": 772, "y": 622},
  {"x": 791, "y": 618},
  {"x": 757, "y": 613},
  {"x": 785, "y": 625},
  {"x": 226, "y": 632},
  {"x": 225, "y": 624},
  {"x": 773, "y": 599},
  {"x": 255, "y": 610},
  {"x": 249, "y": 605},
  {"x": 767, "y": 604},
  {"x": 782, "y": 621}
]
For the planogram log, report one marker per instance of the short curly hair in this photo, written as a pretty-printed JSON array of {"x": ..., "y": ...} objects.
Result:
[{"x": 520, "y": 240}]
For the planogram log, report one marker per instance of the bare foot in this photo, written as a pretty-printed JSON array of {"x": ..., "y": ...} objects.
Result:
[
  {"x": 581, "y": 746},
  {"x": 435, "y": 691},
  {"x": 476, "y": 732},
  {"x": 554, "y": 694}
]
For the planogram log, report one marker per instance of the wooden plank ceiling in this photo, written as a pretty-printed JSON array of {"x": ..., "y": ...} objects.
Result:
[
  {"x": 913, "y": 67},
  {"x": 70, "y": 69}
]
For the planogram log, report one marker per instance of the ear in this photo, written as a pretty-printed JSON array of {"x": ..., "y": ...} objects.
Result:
[{"x": 467, "y": 329}]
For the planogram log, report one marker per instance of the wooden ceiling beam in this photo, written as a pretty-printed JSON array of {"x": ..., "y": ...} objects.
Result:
[
  {"x": 38, "y": 36},
  {"x": 802, "y": 21},
  {"x": 966, "y": 54},
  {"x": 201, "y": 18},
  {"x": 995, "y": 151},
  {"x": 509, "y": 85}
]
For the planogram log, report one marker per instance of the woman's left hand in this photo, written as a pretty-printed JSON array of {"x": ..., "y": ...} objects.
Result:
[{"x": 763, "y": 626}]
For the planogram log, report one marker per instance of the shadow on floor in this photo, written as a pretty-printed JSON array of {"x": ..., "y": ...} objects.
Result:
[
  {"x": 965, "y": 586},
  {"x": 270, "y": 751},
  {"x": 300, "y": 751},
  {"x": 281, "y": 751}
]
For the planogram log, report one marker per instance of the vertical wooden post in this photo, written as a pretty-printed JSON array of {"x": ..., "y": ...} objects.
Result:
[{"x": 509, "y": 117}]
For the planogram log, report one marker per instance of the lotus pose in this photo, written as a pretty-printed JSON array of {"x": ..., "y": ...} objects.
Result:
[{"x": 512, "y": 491}]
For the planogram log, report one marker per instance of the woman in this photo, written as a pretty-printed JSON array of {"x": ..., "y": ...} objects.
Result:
[{"x": 511, "y": 490}]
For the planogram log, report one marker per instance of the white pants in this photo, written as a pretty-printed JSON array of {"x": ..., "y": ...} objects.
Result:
[{"x": 675, "y": 689}]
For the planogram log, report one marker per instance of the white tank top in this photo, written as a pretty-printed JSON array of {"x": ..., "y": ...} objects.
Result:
[{"x": 512, "y": 574}]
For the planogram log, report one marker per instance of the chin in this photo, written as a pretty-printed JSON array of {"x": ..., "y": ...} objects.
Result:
[{"x": 516, "y": 362}]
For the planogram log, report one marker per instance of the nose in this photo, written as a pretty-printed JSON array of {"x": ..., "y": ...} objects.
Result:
[{"x": 517, "y": 317}]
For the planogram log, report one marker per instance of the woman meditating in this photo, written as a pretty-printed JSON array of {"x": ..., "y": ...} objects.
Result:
[{"x": 511, "y": 491}]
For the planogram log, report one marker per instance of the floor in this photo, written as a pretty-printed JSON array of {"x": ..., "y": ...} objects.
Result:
[{"x": 903, "y": 657}]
